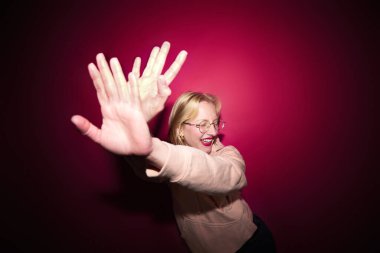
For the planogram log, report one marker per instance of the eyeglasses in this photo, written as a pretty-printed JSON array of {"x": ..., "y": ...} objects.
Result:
[{"x": 204, "y": 125}]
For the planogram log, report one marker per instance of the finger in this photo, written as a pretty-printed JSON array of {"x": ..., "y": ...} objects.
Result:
[
  {"x": 86, "y": 127},
  {"x": 120, "y": 81},
  {"x": 173, "y": 70},
  {"x": 98, "y": 83},
  {"x": 161, "y": 58},
  {"x": 152, "y": 59},
  {"x": 162, "y": 87},
  {"x": 136, "y": 67},
  {"x": 106, "y": 75},
  {"x": 134, "y": 94}
]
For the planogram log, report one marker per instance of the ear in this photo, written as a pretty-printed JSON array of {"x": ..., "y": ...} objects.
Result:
[{"x": 180, "y": 132}]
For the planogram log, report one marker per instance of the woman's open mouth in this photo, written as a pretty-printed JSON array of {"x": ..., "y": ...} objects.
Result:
[{"x": 207, "y": 141}]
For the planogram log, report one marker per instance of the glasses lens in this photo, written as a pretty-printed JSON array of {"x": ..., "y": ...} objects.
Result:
[{"x": 203, "y": 126}]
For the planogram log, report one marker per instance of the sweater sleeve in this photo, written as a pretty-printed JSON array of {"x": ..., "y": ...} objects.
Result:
[{"x": 194, "y": 169}]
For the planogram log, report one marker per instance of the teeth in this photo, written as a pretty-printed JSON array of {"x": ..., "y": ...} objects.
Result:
[{"x": 207, "y": 140}]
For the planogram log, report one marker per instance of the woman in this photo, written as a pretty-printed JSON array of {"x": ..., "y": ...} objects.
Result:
[{"x": 205, "y": 177}]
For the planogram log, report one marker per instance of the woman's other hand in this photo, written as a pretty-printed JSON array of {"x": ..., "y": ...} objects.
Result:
[{"x": 153, "y": 86}]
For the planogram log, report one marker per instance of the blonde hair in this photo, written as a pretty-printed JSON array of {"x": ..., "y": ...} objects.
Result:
[{"x": 186, "y": 108}]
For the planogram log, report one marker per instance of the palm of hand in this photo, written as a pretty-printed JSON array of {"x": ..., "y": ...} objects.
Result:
[
  {"x": 120, "y": 124},
  {"x": 154, "y": 93},
  {"x": 147, "y": 87}
]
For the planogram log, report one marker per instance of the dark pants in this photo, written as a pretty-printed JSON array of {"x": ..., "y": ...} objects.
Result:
[{"x": 261, "y": 241}]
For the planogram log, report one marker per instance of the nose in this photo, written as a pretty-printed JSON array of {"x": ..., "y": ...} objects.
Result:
[{"x": 211, "y": 130}]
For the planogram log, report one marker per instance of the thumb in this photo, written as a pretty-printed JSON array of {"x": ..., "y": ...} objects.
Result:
[
  {"x": 86, "y": 127},
  {"x": 162, "y": 87}
]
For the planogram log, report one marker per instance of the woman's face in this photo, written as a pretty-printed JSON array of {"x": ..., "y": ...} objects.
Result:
[{"x": 193, "y": 137}]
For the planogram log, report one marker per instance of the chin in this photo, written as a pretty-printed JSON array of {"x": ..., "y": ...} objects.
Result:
[
  {"x": 206, "y": 149},
  {"x": 203, "y": 148}
]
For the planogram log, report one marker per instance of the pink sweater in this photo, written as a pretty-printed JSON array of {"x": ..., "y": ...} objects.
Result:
[{"x": 210, "y": 213}]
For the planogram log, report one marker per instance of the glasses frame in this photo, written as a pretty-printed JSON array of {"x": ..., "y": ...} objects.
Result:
[{"x": 221, "y": 125}]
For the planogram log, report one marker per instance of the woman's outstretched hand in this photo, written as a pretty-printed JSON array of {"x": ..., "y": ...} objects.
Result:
[
  {"x": 154, "y": 87},
  {"x": 124, "y": 129}
]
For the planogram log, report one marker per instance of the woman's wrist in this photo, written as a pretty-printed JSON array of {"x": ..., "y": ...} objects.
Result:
[{"x": 158, "y": 156}]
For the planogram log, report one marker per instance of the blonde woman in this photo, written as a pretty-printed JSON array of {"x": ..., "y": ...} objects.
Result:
[{"x": 205, "y": 177}]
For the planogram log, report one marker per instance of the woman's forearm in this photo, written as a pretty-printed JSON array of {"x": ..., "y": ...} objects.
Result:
[{"x": 196, "y": 169}]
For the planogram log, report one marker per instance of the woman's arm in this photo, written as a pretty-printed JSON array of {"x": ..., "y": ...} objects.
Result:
[
  {"x": 195, "y": 169},
  {"x": 124, "y": 131}
]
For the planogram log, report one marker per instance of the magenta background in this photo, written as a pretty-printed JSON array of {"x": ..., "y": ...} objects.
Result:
[{"x": 297, "y": 82}]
